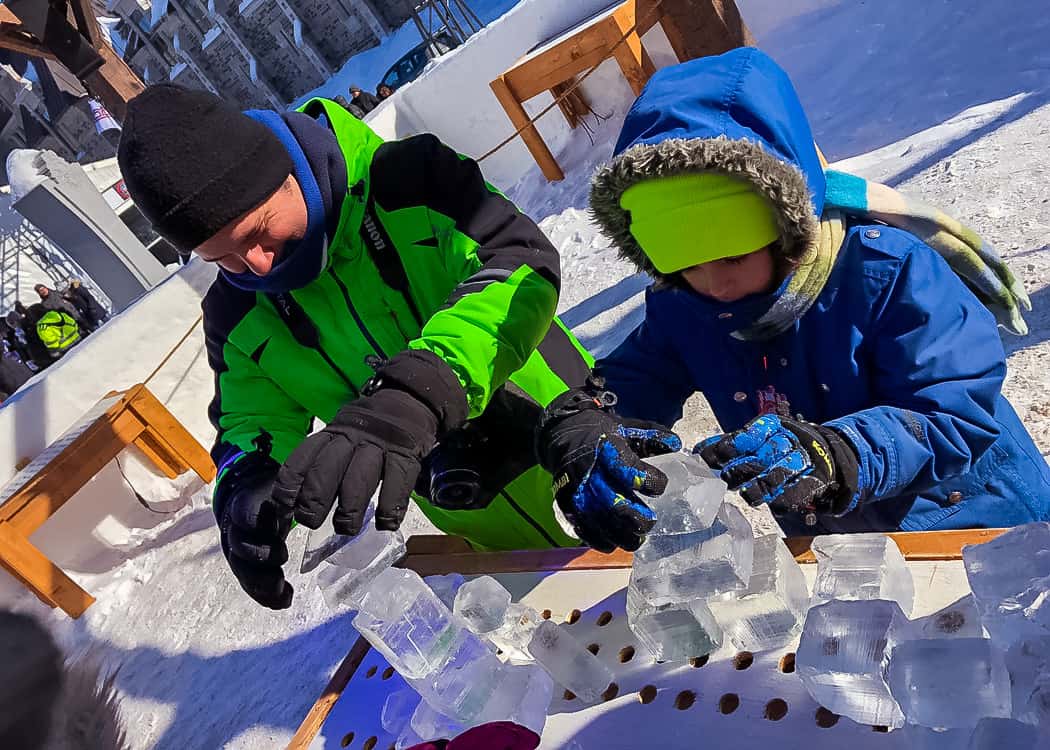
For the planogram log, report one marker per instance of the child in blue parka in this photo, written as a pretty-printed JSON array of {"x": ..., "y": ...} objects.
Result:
[{"x": 844, "y": 335}]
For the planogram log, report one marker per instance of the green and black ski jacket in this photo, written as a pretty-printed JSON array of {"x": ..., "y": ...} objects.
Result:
[{"x": 426, "y": 256}]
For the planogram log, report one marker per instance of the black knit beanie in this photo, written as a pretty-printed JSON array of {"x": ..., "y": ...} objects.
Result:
[{"x": 193, "y": 162}]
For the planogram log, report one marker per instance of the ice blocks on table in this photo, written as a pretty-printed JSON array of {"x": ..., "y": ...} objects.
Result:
[
  {"x": 769, "y": 612},
  {"x": 862, "y": 566},
  {"x": 672, "y": 632},
  {"x": 948, "y": 682},
  {"x": 398, "y": 709},
  {"x": 692, "y": 498},
  {"x": 1010, "y": 579},
  {"x": 446, "y": 587},
  {"x": 569, "y": 662},
  {"x": 960, "y": 619},
  {"x": 513, "y": 636},
  {"x": 842, "y": 656},
  {"x": 406, "y": 622},
  {"x": 674, "y": 568},
  {"x": 482, "y": 603},
  {"x": 1003, "y": 734},
  {"x": 346, "y": 575},
  {"x": 429, "y": 724},
  {"x": 1028, "y": 663}
]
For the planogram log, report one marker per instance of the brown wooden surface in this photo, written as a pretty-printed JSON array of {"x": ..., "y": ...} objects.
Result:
[
  {"x": 697, "y": 28},
  {"x": 114, "y": 83},
  {"x": 316, "y": 717},
  {"x": 45, "y": 579},
  {"x": 520, "y": 119},
  {"x": 438, "y": 559},
  {"x": 137, "y": 418},
  {"x": 86, "y": 23},
  {"x": 18, "y": 42}
]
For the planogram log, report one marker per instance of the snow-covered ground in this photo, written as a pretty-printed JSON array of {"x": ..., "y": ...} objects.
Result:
[{"x": 947, "y": 99}]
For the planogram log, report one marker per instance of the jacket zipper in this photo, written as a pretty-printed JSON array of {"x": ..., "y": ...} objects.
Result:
[
  {"x": 532, "y": 521},
  {"x": 357, "y": 318}
]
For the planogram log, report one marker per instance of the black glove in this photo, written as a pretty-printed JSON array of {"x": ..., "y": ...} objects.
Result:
[
  {"x": 595, "y": 459},
  {"x": 253, "y": 527},
  {"x": 796, "y": 467},
  {"x": 382, "y": 436}
]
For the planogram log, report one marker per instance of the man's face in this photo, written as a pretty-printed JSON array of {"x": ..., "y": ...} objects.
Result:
[
  {"x": 254, "y": 242},
  {"x": 355, "y": 92},
  {"x": 43, "y": 291}
]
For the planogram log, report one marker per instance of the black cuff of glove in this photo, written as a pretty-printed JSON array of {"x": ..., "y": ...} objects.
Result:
[
  {"x": 429, "y": 379},
  {"x": 847, "y": 471},
  {"x": 251, "y": 470}
]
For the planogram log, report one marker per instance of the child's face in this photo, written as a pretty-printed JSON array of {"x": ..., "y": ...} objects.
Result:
[{"x": 732, "y": 279}]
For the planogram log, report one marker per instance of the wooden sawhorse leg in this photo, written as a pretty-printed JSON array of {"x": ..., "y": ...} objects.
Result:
[
  {"x": 533, "y": 140},
  {"x": 634, "y": 61},
  {"x": 41, "y": 576}
]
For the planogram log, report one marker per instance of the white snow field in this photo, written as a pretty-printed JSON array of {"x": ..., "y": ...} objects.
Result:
[{"x": 946, "y": 99}]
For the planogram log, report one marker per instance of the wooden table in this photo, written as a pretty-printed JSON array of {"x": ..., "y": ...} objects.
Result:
[
  {"x": 131, "y": 417},
  {"x": 557, "y": 61}
]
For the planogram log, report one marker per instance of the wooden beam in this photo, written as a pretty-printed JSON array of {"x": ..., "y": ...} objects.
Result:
[
  {"x": 7, "y": 16},
  {"x": 44, "y": 578},
  {"x": 87, "y": 24},
  {"x": 18, "y": 42},
  {"x": 114, "y": 84},
  {"x": 311, "y": 725}
]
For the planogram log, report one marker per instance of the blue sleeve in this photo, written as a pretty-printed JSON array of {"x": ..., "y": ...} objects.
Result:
[
  {"x": 937, "y": 366},
  {"x": 648, "y": 376}
]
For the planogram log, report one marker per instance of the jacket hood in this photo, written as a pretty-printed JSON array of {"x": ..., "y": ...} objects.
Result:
[{"x": 735, "y": 113}]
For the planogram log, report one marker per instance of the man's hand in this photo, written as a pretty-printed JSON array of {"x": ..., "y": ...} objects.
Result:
[
  {"x": 381, "y": 437},
  {"x": 595, "y": 459},
  {"x": 252, "y": 529},
  {"x": 795, "y": 467}
]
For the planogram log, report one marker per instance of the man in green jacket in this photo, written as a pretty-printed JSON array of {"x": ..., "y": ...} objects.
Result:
[{"x": 387, "y": 290}]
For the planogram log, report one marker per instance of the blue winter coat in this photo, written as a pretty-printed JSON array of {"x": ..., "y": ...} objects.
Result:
[{"x": 896, "y": 353}]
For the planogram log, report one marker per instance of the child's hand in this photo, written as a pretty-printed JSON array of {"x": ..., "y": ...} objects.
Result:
[{"x": 795, "y": 467}]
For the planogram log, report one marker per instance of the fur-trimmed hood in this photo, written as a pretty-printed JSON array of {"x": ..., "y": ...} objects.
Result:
[{"x": 735, "y": 113}]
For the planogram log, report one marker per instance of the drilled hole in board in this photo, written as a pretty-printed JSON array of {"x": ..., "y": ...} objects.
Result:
[
  {"x": 743, "y": 660},
  {"x": 647, "y": 694},
  {"x": 347, "y": 739},
  {"x": 825, "y": 718},
  {"x": 545, "y": 614},
  {"x": 604, "y": 618},
  {"x": 574, "y": 617},
  {"x": 684, "y": 700},
  {"x": 371, "y": 672},
  {"x": 698, "y": 661},
  {"x": 787, "y": 663},
  {"x": 594, "y": 648},
  {"x": 611, "y": 692},
  {"x": 387, "y": 673},
  {"x": 626, "y": 654},
  {"x": 569, "y": 695},
  {"x": 370, "y": 743},
  {"x": 729, "y": 703},
  {"x": 776, "y": 709},
  {"x": 879, "y": 728}
]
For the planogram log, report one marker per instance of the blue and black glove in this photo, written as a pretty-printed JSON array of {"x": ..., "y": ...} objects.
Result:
[
  {"x": 595, "y": 458},
  {"x": 794, "y": 466}
]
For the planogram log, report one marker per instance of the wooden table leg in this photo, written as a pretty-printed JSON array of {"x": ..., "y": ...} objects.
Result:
[
  {"x": 530, "y": 135},
  {"x": 40, "y": 575},
  {"x": 632, "y": 58}
]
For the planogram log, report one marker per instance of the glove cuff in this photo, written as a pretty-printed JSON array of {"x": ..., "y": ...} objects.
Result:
[
  {"x": 247, "y": 470},
  {"x": 847, "y": 472},
  {"x": 429, "y": 379}
]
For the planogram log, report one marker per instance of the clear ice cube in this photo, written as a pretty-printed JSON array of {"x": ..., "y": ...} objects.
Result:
[
  {"x": 513, "y": 636},
  {"x": 482, "y": 603},
  {"x": 430, "y": 724},
  {"x": 1010, "y": 579},
  {"x": 960, "y": 619},
  {"x": 445, "y": 587},
  {"x": 1028, "y": 663},
  {"x": 463, "y": 684},
  {"x": 1003, "y": 734},
  {"x": 672, "y": 632},
  {"x": 769, "y": 612},
  {"x": 398, "y": 709},
  {"x": 346, "y": 576},
  {"x": 862, "y": 566},
  {"x": 692, "y": 498},
  {"x": 915, "y": 737},
  {"x": 406, "y": 622},
  {"x": 842, "y": 656},
  {"x": 569, "y": 663},
  {"x": 682, "y": 567},
  {"x": 522, "y": 696},
  {"x": 948, "y": 682}
]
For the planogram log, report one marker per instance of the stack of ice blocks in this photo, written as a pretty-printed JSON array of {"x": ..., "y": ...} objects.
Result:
[
  {"x": 862, "y": 566},
  {"x": 701, "y": 573}
]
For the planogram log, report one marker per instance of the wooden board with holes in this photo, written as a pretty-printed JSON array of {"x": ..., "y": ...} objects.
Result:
[
  {"x": 731, "y": 699},
  {"x": 131, "y": 417}
]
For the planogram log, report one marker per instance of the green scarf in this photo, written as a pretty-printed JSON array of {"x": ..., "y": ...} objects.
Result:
[{"x": 851, "y": 197}]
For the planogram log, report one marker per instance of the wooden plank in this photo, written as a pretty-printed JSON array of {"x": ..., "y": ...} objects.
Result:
[
  {"x": 627, "y": 49},
  {"x": 7, "y": 16},
  {"x": 533, "y": 141},
  {"x": 86, "y": 23},
  {"x": 561, "y": 63},
  {"x": 915, "y": 545},
  {"x": 18, "y": 42},
  {"x": 157, "y": 451},
  {"x": 44, "y": 578},
  {"x": 114, "y": 83},
  {"x": 436, "y": 544},
  {"x": 311, "y": 725},
  {"x": 173, "y": 437}
]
